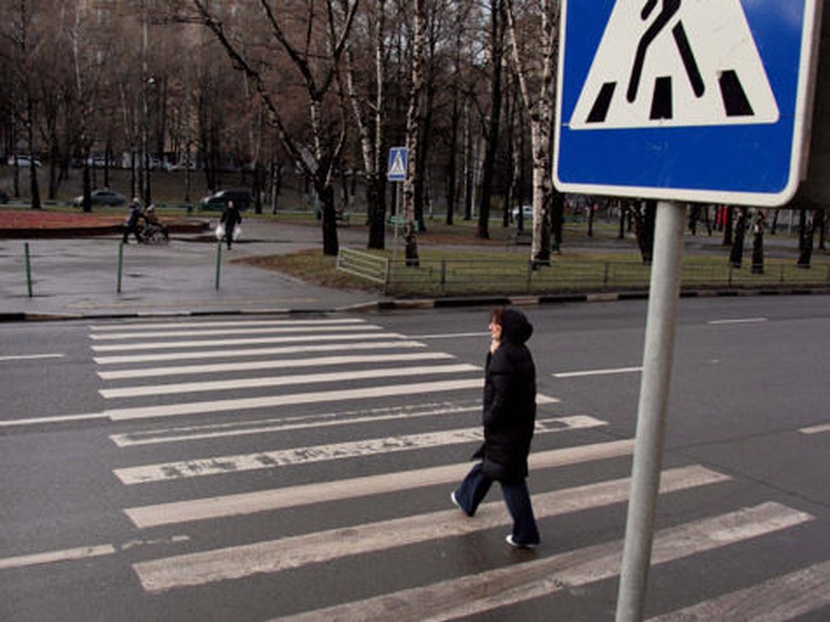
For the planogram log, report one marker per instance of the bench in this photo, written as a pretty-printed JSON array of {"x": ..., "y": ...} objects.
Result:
[{"x": 363, "y": 265}]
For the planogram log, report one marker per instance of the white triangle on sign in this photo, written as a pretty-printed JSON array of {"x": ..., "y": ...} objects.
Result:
[
  {"x": 397, "y": 169},
  {"x": 675, "y": 63}
]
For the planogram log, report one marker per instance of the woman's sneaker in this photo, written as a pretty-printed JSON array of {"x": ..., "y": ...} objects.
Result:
[
  {"x": 512, "y": 542},
  {"x": 457, "y": 504}
]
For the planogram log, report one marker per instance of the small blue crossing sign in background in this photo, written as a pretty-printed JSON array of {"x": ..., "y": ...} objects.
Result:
[
  {"x": 398, "y": 157},
  {"x": 697, "y": 100}
]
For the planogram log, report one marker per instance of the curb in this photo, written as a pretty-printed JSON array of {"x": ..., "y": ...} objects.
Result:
[{"x": 418, "y": 304}]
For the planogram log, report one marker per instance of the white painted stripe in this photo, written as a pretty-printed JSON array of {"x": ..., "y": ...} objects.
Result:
[
  {"x": 748, "y": 320},
  {"x": 284, "y": 381},
  {"x": 242, "y": 428},
  {"x": 320, "y": 361},
  {"x": 50, "y": 557},
  {"x": 237, "y": 352},
  {"x": 155, "y": 334},
  {"x": 221, "y": 465},
  {"x": 598, "y": 372},
  {"x": 816, "y": 429},
  {"x": 273, "y": 401},
  {"x": 205, "y": 343},
  {"x": 451, "y": 335},
  {"x": 782, "y": 598},
  {"x": 126, "y": 327},
  {"x": 466, "y": 596},
  {"x": 276, "y": 555},
  {"x": 322, "y": 492},
  {"x": 30, "y": 357},
  {"x": 47, "y": 420}
]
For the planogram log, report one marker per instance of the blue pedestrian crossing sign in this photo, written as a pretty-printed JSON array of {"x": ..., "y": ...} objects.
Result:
[
  {"x": 695, "y": 100},
  {"x": 398, "y": 157}
]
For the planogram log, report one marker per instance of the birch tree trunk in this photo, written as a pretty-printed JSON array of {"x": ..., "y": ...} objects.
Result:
[
  {"x": 535, "y": 63},
  {"x": 413, "y": 125},
  {"x": 372, "y": 143}
]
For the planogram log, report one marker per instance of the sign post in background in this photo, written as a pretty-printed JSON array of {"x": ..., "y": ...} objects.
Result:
[
  {"x": 678, "y": 100},
  {"x": 396, "y": 172}
]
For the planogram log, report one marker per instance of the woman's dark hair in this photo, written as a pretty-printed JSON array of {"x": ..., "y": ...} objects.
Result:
[{"x": 496, "y": 315}]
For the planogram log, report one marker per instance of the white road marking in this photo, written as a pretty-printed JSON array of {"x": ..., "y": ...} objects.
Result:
[
  {"x": 273, "y": 556},
  {"x": 237, "y": 352},
  {"x": 205, "y": 343},
  {"x": 451, "y": 335},
  {"x": 283, "y": 381},
  {"x": 747, "y": 320},
  {"x": 30, "y": 357},
  {"x": 322, "y": 492},
  {"x": 273, "y": 401},
  {"x": 466, "y": 596},
  {"x": 782, "y": 598},
  {"x": 51, "y": 557},
  {"x": 56, "y": 419},
  {"x": 320, "y": 361},
  {"x": 598, "y": 372},
  {"x": 231, "y": 330},
  {"x": 150, "y": 326},
  {"x": 242, "y": 428},
  {"x": 219, "y": 465},
  {"x": 816, "y": 429}
]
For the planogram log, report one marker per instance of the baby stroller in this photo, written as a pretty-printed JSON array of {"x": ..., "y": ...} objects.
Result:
[{"x": 153, "y": 231}]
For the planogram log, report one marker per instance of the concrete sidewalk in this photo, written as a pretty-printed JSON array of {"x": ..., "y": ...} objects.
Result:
[{"x": 78, "y": 278}]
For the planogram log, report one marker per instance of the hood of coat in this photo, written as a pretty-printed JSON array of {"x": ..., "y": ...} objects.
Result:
[{"x": 515, "y": 327}]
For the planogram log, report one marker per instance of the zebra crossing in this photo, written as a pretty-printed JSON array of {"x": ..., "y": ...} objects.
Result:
[{"x": 307, "y": 395}]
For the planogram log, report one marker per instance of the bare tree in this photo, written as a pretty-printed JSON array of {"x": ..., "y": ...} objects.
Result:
[
  {"x": 496, "y": 48},
  {"x": 369, "y": 109},
  {"x": 87, "y": 70},
  {"x": 23, "y": 53},
  {"x": 414, "y": 117},
  {"x": 533, "y": 28},
  {"x": 314, "y": 46}
]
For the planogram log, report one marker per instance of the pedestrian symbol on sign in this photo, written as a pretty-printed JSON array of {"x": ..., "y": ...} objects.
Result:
[{"x": 661, "y": 66}]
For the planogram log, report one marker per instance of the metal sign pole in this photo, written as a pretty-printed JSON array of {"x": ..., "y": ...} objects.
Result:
[
  {"x": 651, "y": 418},
  {"x": 396, "y": 219}
]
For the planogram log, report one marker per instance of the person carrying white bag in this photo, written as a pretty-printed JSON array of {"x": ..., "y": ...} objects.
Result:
[{"x": 229, "y": 224}]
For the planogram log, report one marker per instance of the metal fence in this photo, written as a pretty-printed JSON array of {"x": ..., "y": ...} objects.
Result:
[{"x": 445, "y": 277}]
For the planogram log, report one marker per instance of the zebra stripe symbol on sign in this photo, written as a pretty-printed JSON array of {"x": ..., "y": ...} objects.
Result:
[{"x": 676, "y": 63}]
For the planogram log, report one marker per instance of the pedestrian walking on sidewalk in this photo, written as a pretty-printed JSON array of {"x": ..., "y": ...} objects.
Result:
[
  {"x": 509, "y": 417},
  {"x": 132, "y": 223},
  {"x": 230, "y": 218}
]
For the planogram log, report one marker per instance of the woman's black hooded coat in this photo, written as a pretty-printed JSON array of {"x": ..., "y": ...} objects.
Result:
[{"x": 509, "y": 413}]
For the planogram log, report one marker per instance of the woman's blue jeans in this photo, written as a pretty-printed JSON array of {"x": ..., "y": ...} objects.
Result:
[{"x": 474, "y": 488}]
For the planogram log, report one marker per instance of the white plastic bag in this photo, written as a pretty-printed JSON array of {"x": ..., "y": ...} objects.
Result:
[
  {"x": 237, "y": 232},
  {"x": 220, "y": 231}
]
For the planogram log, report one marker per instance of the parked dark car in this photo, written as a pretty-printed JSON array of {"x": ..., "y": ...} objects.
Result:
[
  {"x": 218, "y": 200},
  {"x": 104, "y": 196}
]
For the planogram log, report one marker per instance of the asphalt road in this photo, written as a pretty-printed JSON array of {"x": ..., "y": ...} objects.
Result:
[{"x": 255, "y": 468}]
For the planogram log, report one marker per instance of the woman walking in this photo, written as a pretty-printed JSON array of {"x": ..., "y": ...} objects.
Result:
[{"x": 509, "y": 417}]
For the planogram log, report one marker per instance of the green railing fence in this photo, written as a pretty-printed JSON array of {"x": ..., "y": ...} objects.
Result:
[{"x": 459, "y": 277}]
